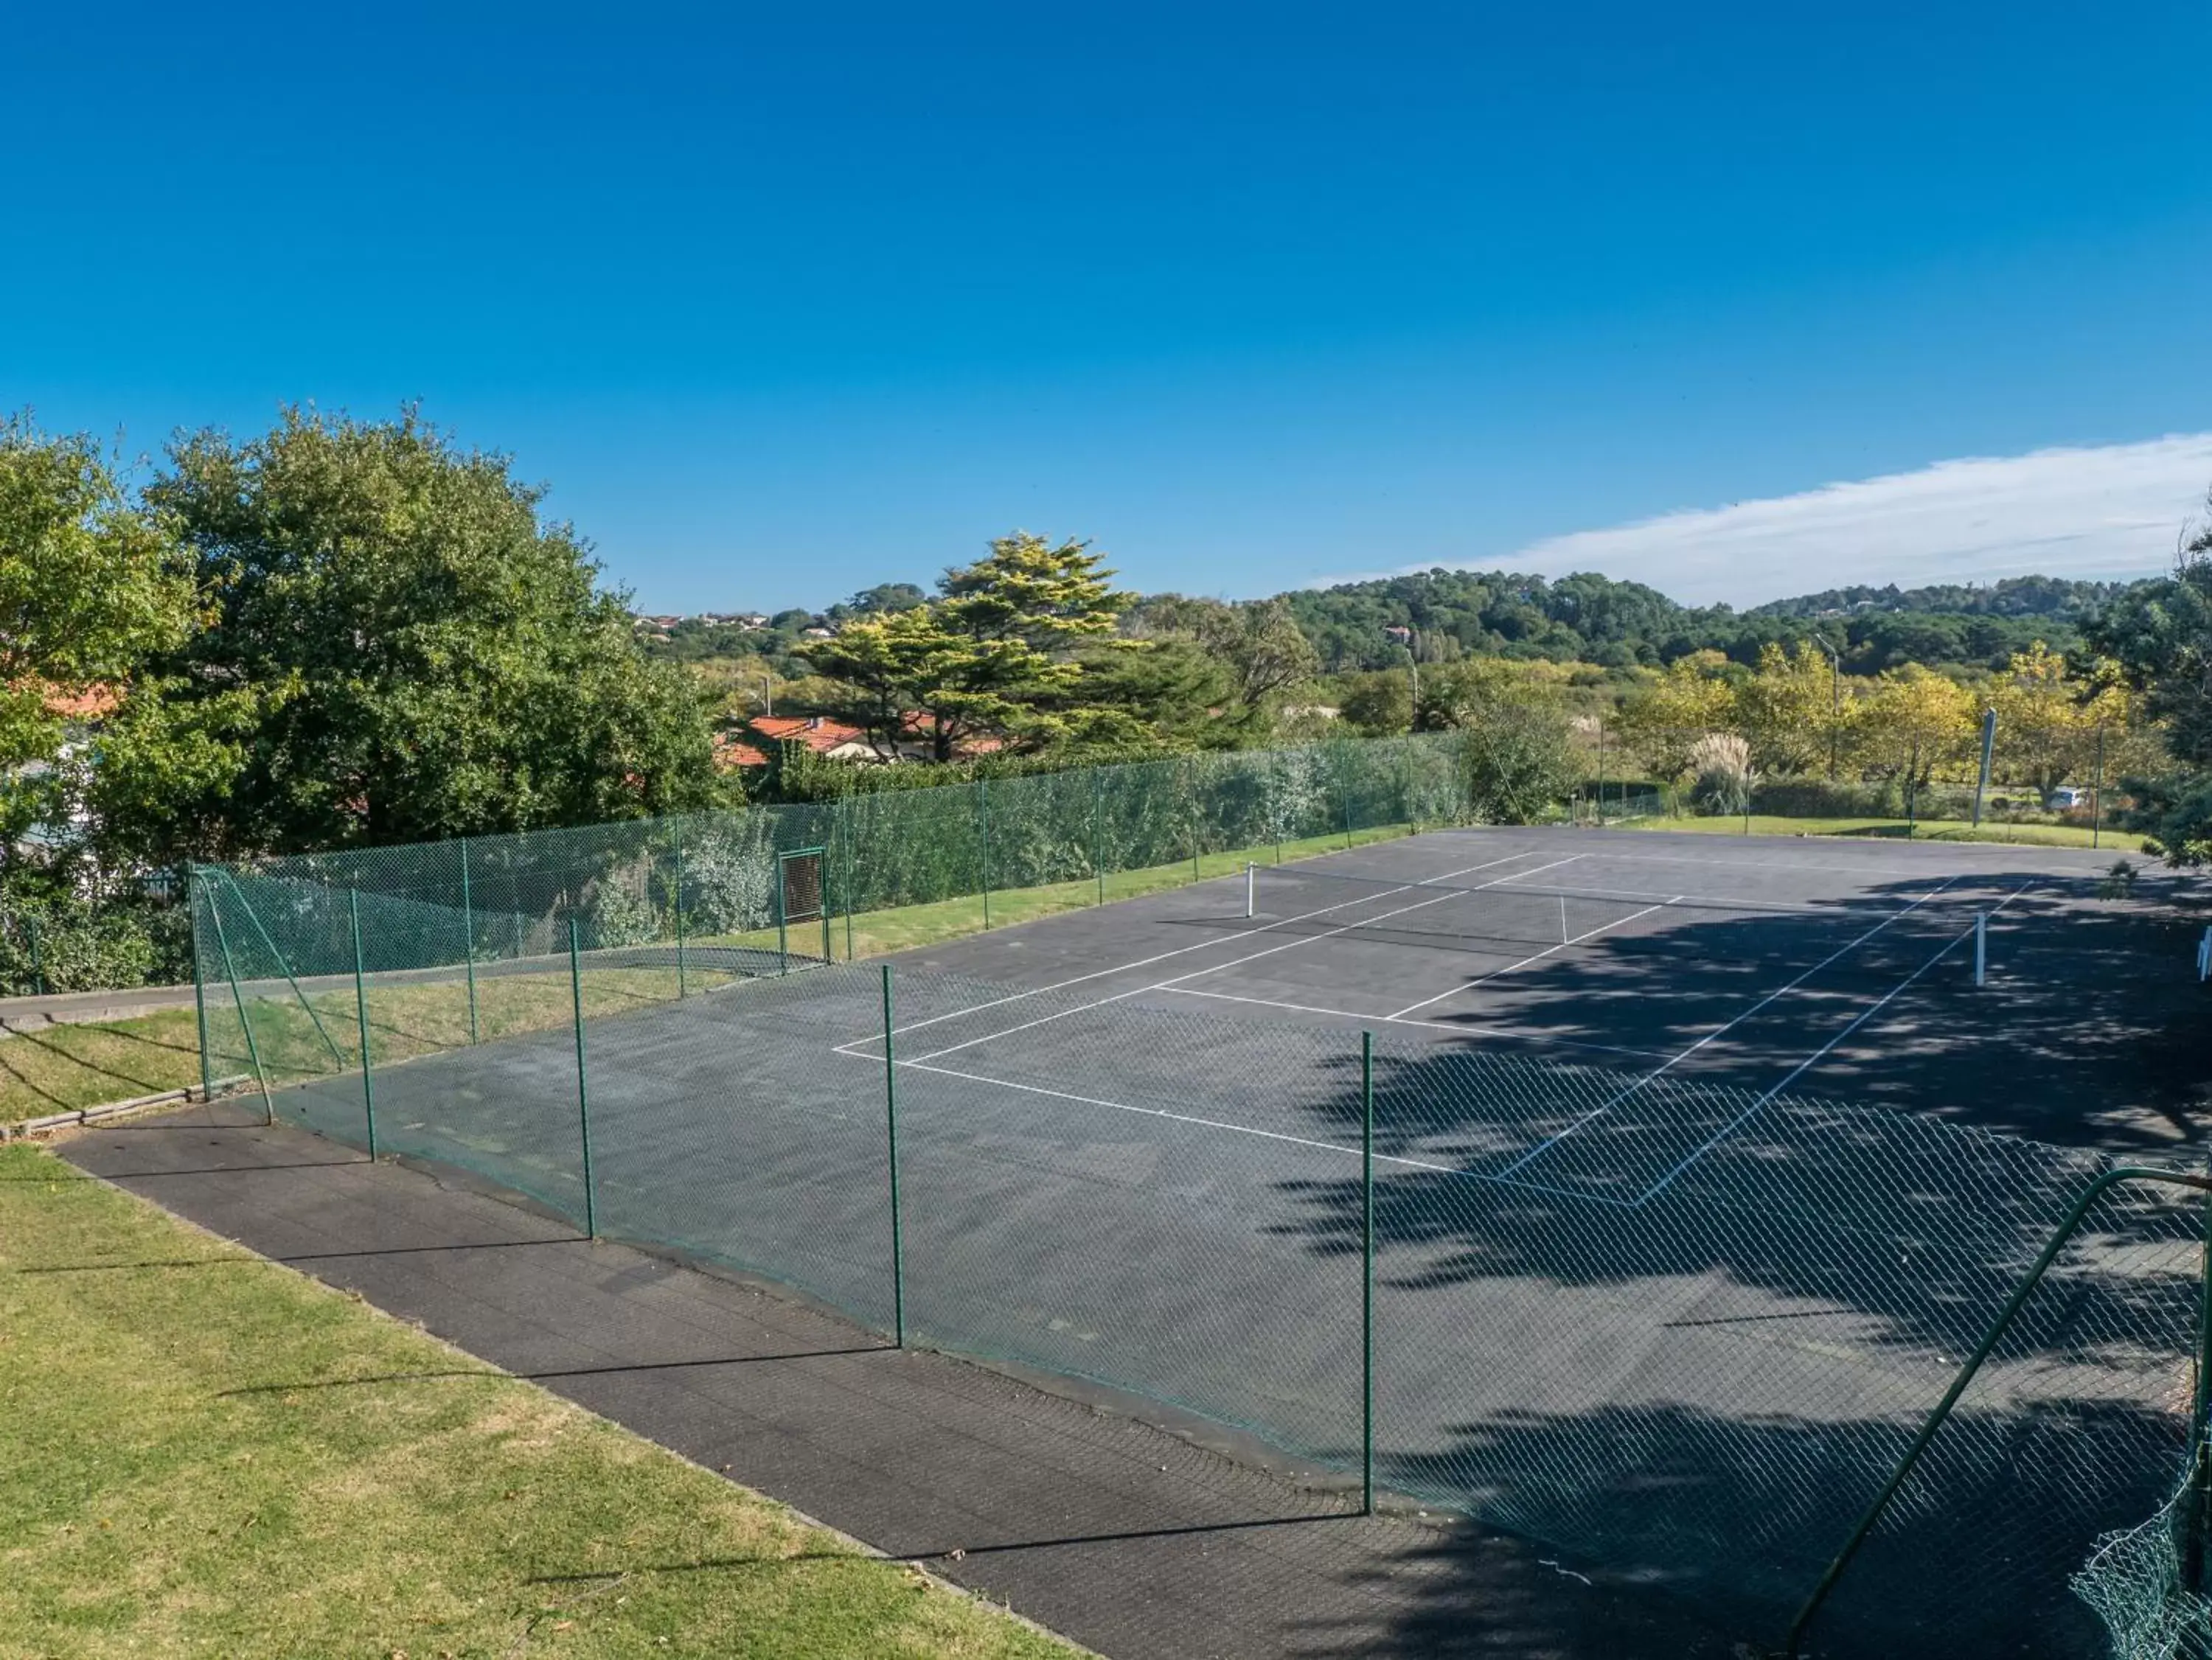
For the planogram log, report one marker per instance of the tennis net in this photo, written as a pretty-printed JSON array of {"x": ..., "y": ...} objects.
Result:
[{"x": 1523, "y": 918}]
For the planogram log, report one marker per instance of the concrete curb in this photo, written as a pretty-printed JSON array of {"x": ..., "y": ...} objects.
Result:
[{"x": 52, "y": 1121}]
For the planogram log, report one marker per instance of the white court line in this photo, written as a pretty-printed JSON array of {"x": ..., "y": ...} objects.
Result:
[
  {"x": 1599, "y": 1111},
  {"x": 1182, "y": 950},
  {"x": 1469, "y": 985},
  {"x": 1992, "y": 849},
  {"x": 1264, "y": 1134},
  {"x": 1459, "y": 1028},
  {"x": 1201, "y": 973},
  {"x": 1818, "y": 1055}
]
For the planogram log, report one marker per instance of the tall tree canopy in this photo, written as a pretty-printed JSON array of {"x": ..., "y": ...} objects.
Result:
[
  {"x": 429, "y": 656},
  {"x": 994, "y": 655}
]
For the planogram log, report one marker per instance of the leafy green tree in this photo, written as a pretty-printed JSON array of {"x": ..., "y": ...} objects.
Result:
[
  {"x": 996, "y": 655},
  {"x": 1379, "y": 703},
  {"x": 1788, "y": 709},
  {"x": 91, "y": 585},
  {"x": 429, "y": 656}
]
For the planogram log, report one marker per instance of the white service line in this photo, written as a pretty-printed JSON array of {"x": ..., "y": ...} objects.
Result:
[
  {"x": 1459, "y": 1028},
  {"x": 1183, "y": 950},
  {"x": 1819, "y": 1054},
  {"x": 1253, "y": 956},
  {"x": 1399, "y": 1159},
  {"x": 1600, "y": 1110},
  {"x": 1469, "y": 985}
]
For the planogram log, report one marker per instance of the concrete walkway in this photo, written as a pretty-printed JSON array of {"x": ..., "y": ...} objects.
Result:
[
  {"x": 70, "y": 1008},
  {"x": 1140, "y": 1543}
]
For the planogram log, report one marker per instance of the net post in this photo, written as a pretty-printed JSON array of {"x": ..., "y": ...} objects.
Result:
[
  {"x": 1251, "y": 885},
  {"x": 682, "y": 985},
  {"x": 199, "y": 982},
  {"x": 1367, "y": 1273},
  {"x": 361, "y": 1017},
  {"x": 1981, "y": 948},
  {"x": 469, "y": 939},
  {"x": 583, "y": 1090},
  {"x": 890, "y": 1129},
  {"x": 983, "y": 840},
  {"x": 238, "y": 996}
]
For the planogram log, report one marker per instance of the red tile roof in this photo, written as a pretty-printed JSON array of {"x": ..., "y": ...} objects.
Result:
[
  {"x": 816, "y": 732},
  {"x": 730, "y": 752}
]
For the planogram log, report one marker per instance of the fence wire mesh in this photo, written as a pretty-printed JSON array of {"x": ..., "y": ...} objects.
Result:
[{"x": 1682, "y": 1332}]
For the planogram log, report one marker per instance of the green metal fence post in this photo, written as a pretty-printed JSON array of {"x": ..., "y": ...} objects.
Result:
[
  {"x": 2097, "y": 793},
  {"x": 1275, "y": 807},
  {"x": 890, "y": 1123},
  {"x": 1190, "y": 809},
  {"x": 2196, "y": 1522},
  {"x": 284, "y": 968},
  {"x": 683, "y": 986},
  {"x": 238, "y": 996},
  {"x": 469, "y": 939},
  {"x": 983, "y": 840},
  {"x": 360, "y": 1015},
  {"x": 38, "y": 957},
  {"x": 583, "y": 1090},
  {"x": 1097, "y": 833},
  {"x": 1367, "y": 1273},
  {"x": 1965, "y": 1375},
  {"x": 199, "y": 980},
  {"x": 845, "y": 886},
  {"x": 782, "y": 923},
  {"x": 1344, "y": 794}
]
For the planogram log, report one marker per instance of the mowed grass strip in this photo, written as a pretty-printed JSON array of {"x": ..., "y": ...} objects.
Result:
[
  {"x": 209, "y": 1454},
  {"x": 63, "y": 1069}
]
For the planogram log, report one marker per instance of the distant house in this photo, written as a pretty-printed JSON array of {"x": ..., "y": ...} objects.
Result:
[
  {"x": 1404, "y": 636},
  {"x": 733, "y": 753},
  {"x": 819, "y": 632},
  {"x": 751, "y": 621},
  {"x": 833, "y": 739}
]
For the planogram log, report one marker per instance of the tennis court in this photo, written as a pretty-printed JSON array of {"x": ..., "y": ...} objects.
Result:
[{"x": 1642, "y": 1287}]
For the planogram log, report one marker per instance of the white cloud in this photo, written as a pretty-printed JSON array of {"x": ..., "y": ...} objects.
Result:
[{"x": 2106, "y": 512}]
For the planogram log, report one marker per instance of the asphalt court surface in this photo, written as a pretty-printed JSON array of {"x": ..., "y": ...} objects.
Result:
[
  {"x": 1129, "y": 1134},
  {"x": 1815, "y": 965}
]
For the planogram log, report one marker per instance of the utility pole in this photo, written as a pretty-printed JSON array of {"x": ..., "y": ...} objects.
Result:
[
  {"x": 1413, "y": 664},
  {"x": 1835, "y": 700}
]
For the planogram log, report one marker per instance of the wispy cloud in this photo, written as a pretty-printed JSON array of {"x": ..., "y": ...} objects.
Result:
[{"x": 2105, "y": 512}]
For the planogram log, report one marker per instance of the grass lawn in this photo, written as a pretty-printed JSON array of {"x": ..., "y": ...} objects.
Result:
[
  {"x": 61, "y": 1068},
  {"x": 64, "y": 1068},
  {"x": 2116, "y": 842},
  {"x": 160, "y": 1498}
]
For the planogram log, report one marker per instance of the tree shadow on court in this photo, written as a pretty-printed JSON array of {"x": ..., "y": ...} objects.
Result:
[
  {"x": 2088, "y": 1031},
  {"x": 1685, "y": 1327},
  {"x": 1732, "y": 1520}
]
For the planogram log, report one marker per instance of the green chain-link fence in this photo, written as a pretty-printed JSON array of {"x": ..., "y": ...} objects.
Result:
[{"x": 1709, "y": 1341}]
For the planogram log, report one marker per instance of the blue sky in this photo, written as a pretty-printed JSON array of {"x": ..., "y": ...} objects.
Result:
[{"x": 782, "y": 302}]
